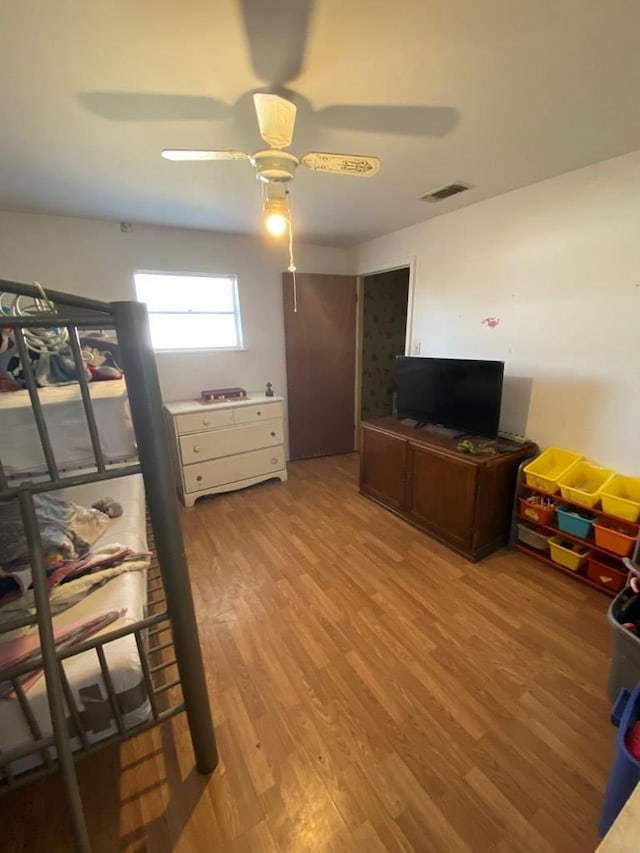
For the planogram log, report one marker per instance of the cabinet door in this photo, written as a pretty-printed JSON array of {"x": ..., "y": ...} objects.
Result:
[
  {"x": 441, "y": 495},
  {"x": 382, "y": 467}
]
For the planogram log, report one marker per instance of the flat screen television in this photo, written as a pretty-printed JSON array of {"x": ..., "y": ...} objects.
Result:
[{"x": 460, "y": 394}]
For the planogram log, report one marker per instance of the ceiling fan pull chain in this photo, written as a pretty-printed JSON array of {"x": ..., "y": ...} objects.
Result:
[{"x": 292, "y": 266}]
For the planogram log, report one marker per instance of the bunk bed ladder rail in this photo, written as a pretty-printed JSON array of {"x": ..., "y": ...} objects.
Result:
[
  {"x": 55, "y": 692},
  {"x": 145, "y": 400}
]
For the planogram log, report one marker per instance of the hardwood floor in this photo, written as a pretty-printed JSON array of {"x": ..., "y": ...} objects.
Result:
[{"x": 371, "y": 690}]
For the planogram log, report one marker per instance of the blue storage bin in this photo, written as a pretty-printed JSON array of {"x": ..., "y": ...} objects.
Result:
[
  {"x": 573, "y": 521},
  {"x": 625, "y": 771}
]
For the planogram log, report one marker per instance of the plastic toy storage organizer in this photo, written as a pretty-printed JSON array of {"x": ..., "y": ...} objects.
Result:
[{"x": 578, "y": 517}]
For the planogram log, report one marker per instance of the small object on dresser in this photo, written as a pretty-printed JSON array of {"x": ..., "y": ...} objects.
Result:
[
  {"x": 269, "y": 391},
  {"x": 218, "y": 395}
]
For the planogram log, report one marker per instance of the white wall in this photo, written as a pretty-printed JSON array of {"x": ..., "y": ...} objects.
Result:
[
  {"x": 558, "y": 264},
  {"x": 94, "y": 258}
]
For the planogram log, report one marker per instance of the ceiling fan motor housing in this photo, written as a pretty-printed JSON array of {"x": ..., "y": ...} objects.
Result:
[{"x": 274, "y": 165}]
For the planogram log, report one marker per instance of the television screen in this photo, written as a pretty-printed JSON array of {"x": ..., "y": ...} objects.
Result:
[{"x": 458, "y": 393}]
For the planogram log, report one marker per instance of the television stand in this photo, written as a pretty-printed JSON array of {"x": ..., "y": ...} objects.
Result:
[{"x": 461, "y": 499}]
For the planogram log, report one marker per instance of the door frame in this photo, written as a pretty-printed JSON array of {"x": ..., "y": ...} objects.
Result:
[{"x": 409, "y": 264}]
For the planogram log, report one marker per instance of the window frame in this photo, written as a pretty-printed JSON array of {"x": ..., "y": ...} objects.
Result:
[{"x": 236, "y": 313}]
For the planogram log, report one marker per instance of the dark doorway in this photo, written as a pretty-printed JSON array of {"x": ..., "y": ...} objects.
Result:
[{"x": 384, "y": 328}]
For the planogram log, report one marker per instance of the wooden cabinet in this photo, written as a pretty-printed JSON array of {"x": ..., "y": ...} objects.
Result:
[
  {"x": 226, "y": 446},
  {"x": 464, "y": 501}
]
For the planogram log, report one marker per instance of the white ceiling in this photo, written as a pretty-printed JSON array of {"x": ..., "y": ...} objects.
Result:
[{"x": 495, "y": 93}]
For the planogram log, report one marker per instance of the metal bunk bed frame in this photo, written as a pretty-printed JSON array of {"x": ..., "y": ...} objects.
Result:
[{"x": 173, "y": 602}]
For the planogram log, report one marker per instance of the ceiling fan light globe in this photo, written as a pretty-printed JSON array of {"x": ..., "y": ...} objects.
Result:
[
  {"x": 276, "y": 224},
  {"x": 276, "y": 216}
]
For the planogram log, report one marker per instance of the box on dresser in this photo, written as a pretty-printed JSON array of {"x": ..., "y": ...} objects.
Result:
[{"x": 227, "y": 445}]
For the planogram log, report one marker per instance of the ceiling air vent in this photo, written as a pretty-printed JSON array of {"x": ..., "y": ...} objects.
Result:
[{"x": 445, "y": 192}]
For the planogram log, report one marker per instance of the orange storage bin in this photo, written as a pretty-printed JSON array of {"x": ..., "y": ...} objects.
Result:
[{"x": 615, "y": 536}]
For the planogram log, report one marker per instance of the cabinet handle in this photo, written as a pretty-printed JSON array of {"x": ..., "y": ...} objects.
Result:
[
  {"x": 205, "y": 421},
  {"x": 199, "y": 477},
  {"x": 274, "y": 459},
  {"x": 272, "y": 434},
  {"x": 196, "y": 448},
  {"x": 258, "y": 413}
]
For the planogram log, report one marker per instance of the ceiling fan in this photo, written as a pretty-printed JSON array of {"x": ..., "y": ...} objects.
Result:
[
  {"x": 276, "y": 120},
  {"x": 274, "y": 166}
]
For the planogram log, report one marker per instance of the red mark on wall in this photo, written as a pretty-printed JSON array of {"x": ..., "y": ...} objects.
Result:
[{"x": 492, "y": 322}]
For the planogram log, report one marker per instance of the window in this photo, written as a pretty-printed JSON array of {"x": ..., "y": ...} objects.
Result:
[{"x": 191, "y": 311}]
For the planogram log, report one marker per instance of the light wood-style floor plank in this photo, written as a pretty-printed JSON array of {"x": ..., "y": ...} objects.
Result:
[{"x": 372, "y": 691}]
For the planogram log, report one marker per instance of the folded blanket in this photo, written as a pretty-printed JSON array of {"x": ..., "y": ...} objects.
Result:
[
  {"x": 73, "y": 566},
  {"x": 27, "y": 646},
  {"x": 71, "y": 581}
]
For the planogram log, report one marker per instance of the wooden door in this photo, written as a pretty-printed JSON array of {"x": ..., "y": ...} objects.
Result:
[{"x": 320, "y": 355}]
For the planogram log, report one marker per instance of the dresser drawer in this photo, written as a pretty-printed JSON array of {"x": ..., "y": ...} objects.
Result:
[
  {"x": 259, "y": 412},
  {"x": 207, "y": 419},
  {"x": 201, "y": 446},
  {"x": 218, "y": 472}
]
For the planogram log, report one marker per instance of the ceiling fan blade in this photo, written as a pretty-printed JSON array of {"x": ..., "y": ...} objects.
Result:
[
  {"x": 406, "y": 121},
  {"x": 140, "y": 106},
  {"x": 276, "y": 118},
  {"x": 343, "y": 164},
  {"x": 189, "y": 154},
  {"x": 277, "y": 34}
]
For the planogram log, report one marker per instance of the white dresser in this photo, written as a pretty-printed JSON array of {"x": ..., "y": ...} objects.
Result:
[{"x": 220, "y": 447}]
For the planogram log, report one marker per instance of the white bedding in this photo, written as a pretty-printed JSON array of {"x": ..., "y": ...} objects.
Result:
[
  {"x": 83, "y": 671},
  {"x": 20, "y": 449}
]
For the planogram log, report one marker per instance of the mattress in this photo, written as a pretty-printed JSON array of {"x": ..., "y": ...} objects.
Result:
[
  {"x": 128, "y": 591},
  {"x": 20, "y": 448}
]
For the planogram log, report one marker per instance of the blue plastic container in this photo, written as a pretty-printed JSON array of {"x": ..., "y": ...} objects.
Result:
[
  {"x": 625, "y": 771},
  {"x": 574, "y": 522}
]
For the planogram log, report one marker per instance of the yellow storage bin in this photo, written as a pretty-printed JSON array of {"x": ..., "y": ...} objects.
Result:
[
  {"x": 545, "y": 470},
  {"x": 621, "y": 497},
  {"x": 569, "y": 554},
  {"x": 582, "y": 482}
]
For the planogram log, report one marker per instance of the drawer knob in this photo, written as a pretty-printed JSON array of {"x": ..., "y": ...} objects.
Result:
[
  {"x": 272, "y": 434},
  {"x": 258, "y": 413},
  {"x": 199, "y": 477},
  {"x": 196, "y": 448},
  {"x": 205, "y": 421},
  {"x": 274, "y": 459}
]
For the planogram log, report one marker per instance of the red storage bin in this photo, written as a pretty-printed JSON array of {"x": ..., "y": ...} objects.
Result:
[
  {"x": 538, "y": 509},
  {"x": 606, "y": 572}
]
